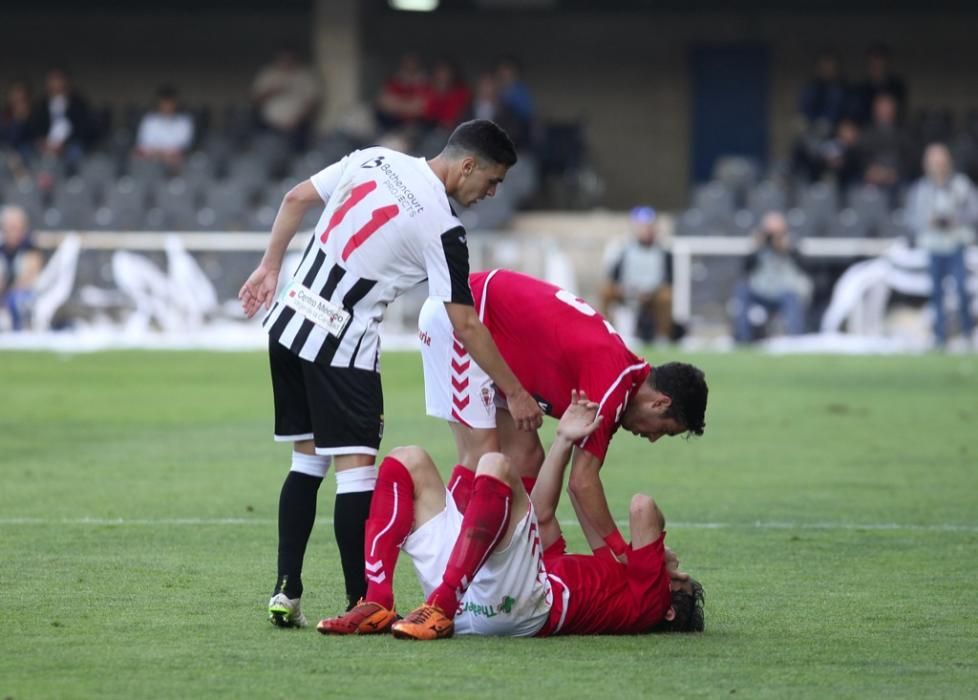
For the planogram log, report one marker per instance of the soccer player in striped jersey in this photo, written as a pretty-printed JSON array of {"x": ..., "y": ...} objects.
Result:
[
  {"x": 387, "y": 226},
  {"x": 554, "y": 342},
  {"x": 501, "y": 567}
]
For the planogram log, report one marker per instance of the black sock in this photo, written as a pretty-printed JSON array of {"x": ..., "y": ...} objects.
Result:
[
  {"x": 296, "y": 516},
  {"x": 349, "y": 521}
]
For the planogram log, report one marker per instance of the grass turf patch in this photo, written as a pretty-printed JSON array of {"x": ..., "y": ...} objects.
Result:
[{"x": 829, "y": 511}]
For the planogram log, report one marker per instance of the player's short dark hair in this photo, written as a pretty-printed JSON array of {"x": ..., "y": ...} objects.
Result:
[
  {"x": 686, "y": 386},
  {"x": 484, "y": 139},
  {"x": 689, "y": 611}
]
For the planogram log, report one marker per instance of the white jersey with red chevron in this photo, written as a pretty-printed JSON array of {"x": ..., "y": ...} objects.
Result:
[{"x": 387, "y": 227}]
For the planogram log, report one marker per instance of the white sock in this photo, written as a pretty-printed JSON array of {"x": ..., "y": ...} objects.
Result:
[
  {"x": 356, "y": 480},
  {"x": 311, "y": 465}
]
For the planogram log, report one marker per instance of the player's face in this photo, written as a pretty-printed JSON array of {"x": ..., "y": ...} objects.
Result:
[
  {"x": 479, "y": 181},
  {"x": 652, "y": 425}
]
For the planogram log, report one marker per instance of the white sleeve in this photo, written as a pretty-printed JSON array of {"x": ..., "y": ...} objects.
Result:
[
  {"x": 326, "y": 180},
  {"x": 142, "y": 135}
]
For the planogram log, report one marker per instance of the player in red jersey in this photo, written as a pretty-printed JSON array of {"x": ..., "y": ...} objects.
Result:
[
  {"x": 554, "y": 342},
  {"x": 499, "y": 570}
]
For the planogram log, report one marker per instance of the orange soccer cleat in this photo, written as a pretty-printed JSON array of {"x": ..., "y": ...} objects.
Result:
[
  {"x": 364, "y": 618},
  {"x": 426, "y": 622}
]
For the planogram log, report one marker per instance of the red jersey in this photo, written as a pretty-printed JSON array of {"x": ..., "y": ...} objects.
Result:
[
  {"x": 598, "y": 595},
  {"x": 555, "y": 342}
]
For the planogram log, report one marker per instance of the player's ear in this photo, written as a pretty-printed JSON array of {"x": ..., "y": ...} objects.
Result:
[
  {"x": 670, "y": 614},
  {"x": 468, "y": 165},
  {"x": 661, "y": 402}
]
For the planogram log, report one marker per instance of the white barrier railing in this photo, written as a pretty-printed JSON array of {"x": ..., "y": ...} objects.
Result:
[{"x": 532, "y": 253}]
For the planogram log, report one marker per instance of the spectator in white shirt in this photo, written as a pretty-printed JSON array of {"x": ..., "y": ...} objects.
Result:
[
  {"x": 286, "y": 94},
  {"x": 165, "y": 134}
]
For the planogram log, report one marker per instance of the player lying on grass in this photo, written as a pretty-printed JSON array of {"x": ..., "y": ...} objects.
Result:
[
  {"x": 501, "y": 568},
  {"x": 554, "y": 342}
]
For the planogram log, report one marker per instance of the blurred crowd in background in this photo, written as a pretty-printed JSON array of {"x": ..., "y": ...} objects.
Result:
[{"x": 857, "y": 169}]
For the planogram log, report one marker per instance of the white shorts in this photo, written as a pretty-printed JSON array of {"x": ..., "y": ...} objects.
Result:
[
  {"x": 456, "y": 389},
  {"x": 510, "y": 595}
]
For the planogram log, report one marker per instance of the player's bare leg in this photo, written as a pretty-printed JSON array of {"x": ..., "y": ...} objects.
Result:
[
  {"x": 297, "y": 514},
  {"x": 472, "y": 444},
  {"x": 498, "y": 504},
  {"x": 409, "y": 492},
  {"x": 523, "y": 450}
]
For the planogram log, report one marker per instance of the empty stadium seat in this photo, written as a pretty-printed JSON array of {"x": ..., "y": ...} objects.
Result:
[
  {"x": 72, "y": 207},
  {"x": 691, "y": 222},
  {"x": 850, "y": 224},
  {"x": 767, "y": 196},
  {"x": 716, "y": 202},
  {"x": 177, "y": 202},
  {"x": 25, "y": 194},
  {"x": 738, "y": 174},
  {"x": 125, "y": 203},
  {"x": 820, "y": 203},
  {"x": 873, "y": 208},
  {"x": 99, "y": 171}
]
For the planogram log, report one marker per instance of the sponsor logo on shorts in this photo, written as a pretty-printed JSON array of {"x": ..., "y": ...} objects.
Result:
[
  {"x": 487, "y": 610},
  {"x": 486, "y": 394}
]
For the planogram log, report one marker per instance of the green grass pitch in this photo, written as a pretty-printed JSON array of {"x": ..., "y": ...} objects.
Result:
[{"x": 830, "y": 510}]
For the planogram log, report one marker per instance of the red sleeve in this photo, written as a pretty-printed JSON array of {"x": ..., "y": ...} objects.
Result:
[
  {"x": 610, "y": 409},
  {"x": 648, "y": 579}
]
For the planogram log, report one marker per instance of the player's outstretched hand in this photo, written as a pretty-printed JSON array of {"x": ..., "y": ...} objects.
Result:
[
  {"x": 580, "y": 419},
  {"x": 525, "y": 410},
  {"x": 258, "y": 290}
]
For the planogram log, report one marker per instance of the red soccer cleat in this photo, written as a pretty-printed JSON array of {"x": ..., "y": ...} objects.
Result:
[{"x": 364, "y": 618}]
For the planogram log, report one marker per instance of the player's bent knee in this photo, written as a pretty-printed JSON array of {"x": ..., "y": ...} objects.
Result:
[
  {"x": 643, "y": 507},
  {"x": 411, "y": 456},
  {"x": 495, "y": 464}
]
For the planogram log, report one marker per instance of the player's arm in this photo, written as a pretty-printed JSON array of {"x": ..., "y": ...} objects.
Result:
[
  {"x": 259, "y": 289},
  {"x": 478, "y": 342},
  {"x": 591, "y": 535},
  {"x": 579, "y": 420},
  {"x": 586, "y": 489}
]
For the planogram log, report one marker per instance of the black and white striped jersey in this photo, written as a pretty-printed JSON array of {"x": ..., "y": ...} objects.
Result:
[{"x": 387, "y": 227}]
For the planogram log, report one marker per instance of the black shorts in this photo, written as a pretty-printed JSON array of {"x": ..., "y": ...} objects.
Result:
[{"x": 341, "y": 409}]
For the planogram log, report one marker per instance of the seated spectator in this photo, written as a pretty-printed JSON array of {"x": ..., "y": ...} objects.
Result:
[
  {"x": 942, "y": 210},
  {"x": 62, "y": 121},
  {"x": 448, "y": 97},
  {"x": 20, "y": 265},
  {"x": 403, "y": 97},
  {"x": 286, "y": 94},
  {"x": 515, "y": 98},
  {"x": 885, "y": 147},
  {"x": 823, "y": 100},
  {"x": 880, "y": 80},
  {"x": 165, "y": 134},
  {"x": 775, "y": 279},
  {"x": 641, "y": 275},
  {"x": 15, "y": 125},
  {"x": 837, "y": 157}
]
